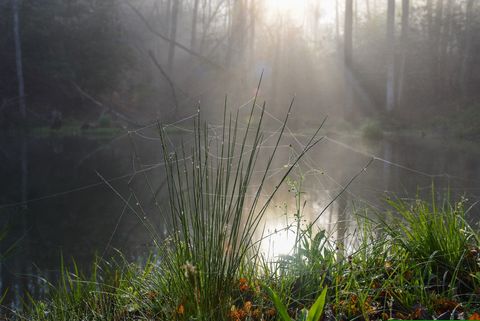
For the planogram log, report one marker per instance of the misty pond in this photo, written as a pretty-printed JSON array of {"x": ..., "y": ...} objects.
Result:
[
  {"x": 71, "y": 210},
  {"x": 88, "y": 174}
]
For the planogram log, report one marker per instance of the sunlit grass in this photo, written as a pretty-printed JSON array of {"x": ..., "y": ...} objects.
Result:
[
  {"x": 380, "y": 279},
  {"x": 419, "y": 263}
]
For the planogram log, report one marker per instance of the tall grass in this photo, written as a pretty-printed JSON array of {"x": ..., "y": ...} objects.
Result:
[
  {"x": 422, "y": 262},
  {"x": 213, "y": 220},
  {"x": 384, "y": 277},
  {"x": 433, "y": 232}
]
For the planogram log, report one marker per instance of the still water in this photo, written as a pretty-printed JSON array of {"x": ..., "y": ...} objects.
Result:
[{"x": 54, "y": 199}]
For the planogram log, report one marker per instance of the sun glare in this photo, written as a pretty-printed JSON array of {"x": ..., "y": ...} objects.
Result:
[
  {"x": 296, "y": 10},
  {"x": 328, "y": 12},
  {"x": 279, "y": 242}
]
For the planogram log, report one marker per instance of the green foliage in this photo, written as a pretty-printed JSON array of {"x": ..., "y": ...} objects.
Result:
[
  {"x": 432, "y": 232},
  {"x": 66, "y": 42},
  {"x": 314, "y": 314},
  {"x": 282, "y": 309},
  {"x": 393, "y": 276}
]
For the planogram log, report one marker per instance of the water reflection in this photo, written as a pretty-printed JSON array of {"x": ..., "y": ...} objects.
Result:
[{"x": 82, "y": 216}]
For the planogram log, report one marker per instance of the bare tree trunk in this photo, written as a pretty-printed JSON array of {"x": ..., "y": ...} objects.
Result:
[
  {"x": 253, "y": 22},
  {"x": 355, "y": 20},
  {"x": 18, "y": 59},
  {"x": 439, "y": 19},
  {"x": 24, "y": 171},
  {"x": 276, "y": 63},
  {"x": 316, "y": 18},
  {"x": 390, "y": 39},
  {"x": 438, "y": 35},
  {"x": 193, "y": 38},
  {"x": 236, "y": 46},
  {"x": 337, "y": 22},
  {"x": 229, "y": 25},
  {"x": 348, "y": 32},
  {"x": 369, "y": 13},
  {"x": 467, "y": 53},
  {"x": 404, "y": 50},
  {"x": 168, "y": 15},
  {"x": 444, "y": 61},
  {"x": 348, "y": 58},
  {"x": 173, "y": 35},
  {"x": 430, "y": 19},
  {"x": 204, "y": 13}
]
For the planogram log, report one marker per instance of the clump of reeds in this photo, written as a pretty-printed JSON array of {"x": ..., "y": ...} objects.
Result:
[{"x": 214, "y": 223}]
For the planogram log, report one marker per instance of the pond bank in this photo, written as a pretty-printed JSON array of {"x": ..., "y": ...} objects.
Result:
[{"x": 420, "y": 263}]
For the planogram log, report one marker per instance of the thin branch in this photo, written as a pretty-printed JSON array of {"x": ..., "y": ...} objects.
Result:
[
  {"x": 105, "y": 108},
  {"x": 167, "y": 78},
  {"x": 179, "y": 45}
]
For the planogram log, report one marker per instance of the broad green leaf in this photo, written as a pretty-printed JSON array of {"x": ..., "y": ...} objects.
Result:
[
  {"x": 282, "y": 310},
  {"x": 316, "y": 310}
]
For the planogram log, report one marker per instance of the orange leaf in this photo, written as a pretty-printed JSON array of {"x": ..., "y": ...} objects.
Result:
[
  {"x": 474, "y": 316},
  {"x": 181, "y": 309}
]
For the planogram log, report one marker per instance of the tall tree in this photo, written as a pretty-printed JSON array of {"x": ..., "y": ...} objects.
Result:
[
  {"x": 369, "y": 14},
  {"x": 173, "y": 34},
  {"x": 168, "y": 14},
  {"x": 390, "y": 41},
  {"x": 430, "y": 18},
  {"x": 355, "y": 19},
  {"x": 437, "y": 48},
  {"x": 251, "y": 37},
  {"x": 18, "y": 58},
  {"x": 348, "y": 33},
  {"x": 193, "y": 37},
  {"x": 24, "y": 171},
  {"x": 348, "y": 57},
  {"x": 236, "y": 43},
  {"x": 403, "y": 49},
  {"x": 445, "y": 38},
  {"x": 277, "y": 51},
  {"x": 337, "y": 23},
  {"x": 316, "y": 18},
  {"x": 467, "y": 50}
]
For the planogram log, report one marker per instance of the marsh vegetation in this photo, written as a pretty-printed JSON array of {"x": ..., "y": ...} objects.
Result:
[{"x": 239, "y": 160}]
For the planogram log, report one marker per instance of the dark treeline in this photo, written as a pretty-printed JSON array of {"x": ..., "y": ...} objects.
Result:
[{"x": 144, "y": 59}]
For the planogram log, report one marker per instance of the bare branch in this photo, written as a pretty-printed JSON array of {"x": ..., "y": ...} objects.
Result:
[
  {"x": 104, "y": 107},
  {"x": 176, "y": 43},
  {"x": 167, "y": 78}
]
